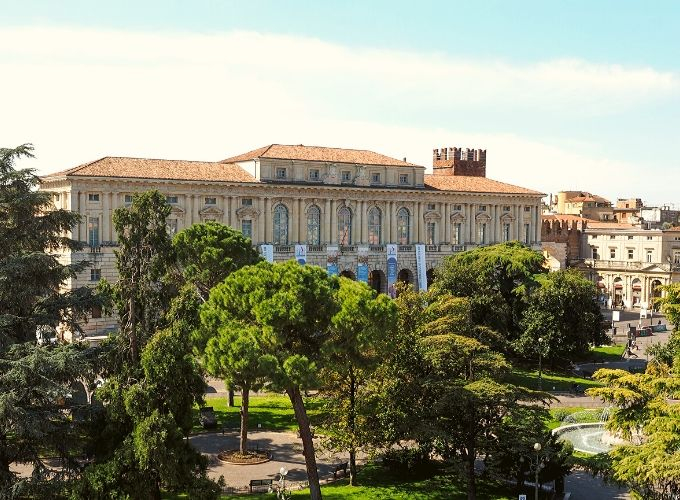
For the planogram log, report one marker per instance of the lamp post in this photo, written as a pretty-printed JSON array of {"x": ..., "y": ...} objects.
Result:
[
  {"x": 537, "y": 448},
  {"x": 281, "y": 493}
]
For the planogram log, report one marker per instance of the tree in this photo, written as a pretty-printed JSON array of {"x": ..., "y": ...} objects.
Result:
[
  {"x": 36, "y": 378},
  {"x": 151, "y": 378},
  {"x": 494, "y": 279},
  {"x": 142, "y": 259},
  {"x": 670, "y": 303},
  {"x": 564, "y": 314},
  {"x": 206, "y": 254},
  {"x": 651, "y": 465},
  {"x": 235, "y": 355},
  {"x": 209, "y": 252},
  {"x": 291, "y": 306},
  {"x": 361, "y": 337}
]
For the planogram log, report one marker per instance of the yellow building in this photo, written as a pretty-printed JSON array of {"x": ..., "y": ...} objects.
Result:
[{"x": 344, "y": 208}]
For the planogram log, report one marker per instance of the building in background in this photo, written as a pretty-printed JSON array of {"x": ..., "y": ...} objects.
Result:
[
  {"x": 659, "y": 217},
  {"x": 341, "y": 205},
  {"x": 627, "y": 210},
  {"x": 584, "y": 204}
]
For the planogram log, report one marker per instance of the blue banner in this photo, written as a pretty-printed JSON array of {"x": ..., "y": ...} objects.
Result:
[
  {"x": 362, "y": 267},
  {"x": 301, "y": 254},
  {"x": 391, "y": 269},
  {"x": 332, "y": 260},
  {"x": 267, "y": 252}
]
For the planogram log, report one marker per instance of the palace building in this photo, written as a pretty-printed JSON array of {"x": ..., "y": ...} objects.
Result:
[{"x": 344, "y": 209}]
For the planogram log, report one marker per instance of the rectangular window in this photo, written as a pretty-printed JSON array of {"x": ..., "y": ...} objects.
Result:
[
  {"x": 314, "y": 174},
  {"x": 631, "y": 254},
  {"x": 458, "y": 208},
  {"x": 95, "y": 274},
  {"x": 457, "y": 233},
  {"x": 431, "y": 231},
  {"x": 247, "y": 228},
  {"x": 506, "y": 232},
  {"x": 96, "y": 312},
  {"x": 527, "y": 233},
  {"x": 649, "y": 237},
  {"x": 481, "y": 233},
  {"x": 649, "y": 255},
  {"x": 93, "y": 231},
  {"x": 595, "y": 255},
  {"x": 128, "y": 198},
  {"x": 527, "y": 209},
  {"x": 171, "y": 224},
  {"x": 93, "y": 197},
  {"x": 676, "y": 258},
  {"x": 506, "y": 208},
  {"x": 612, "y": 236},
  {"x": 431, "y": 206},
  {"x": 211, "y": 201},
  {"x": 403, "y": 178},
  {"x": 171, "y": 199},
  {"x": 246, "y": 202},
  {"x": 630, "y": 237},
  {"x": 375, "y": 178},
  {"x": 482, "y": 208},
  {"x": 280, "y": 173},
  {"x": 612, "y": 253},
  {"x": 346, "y": 176}
]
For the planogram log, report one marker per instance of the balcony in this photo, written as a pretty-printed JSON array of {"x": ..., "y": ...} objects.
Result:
[{"x": 628, "y": 265}]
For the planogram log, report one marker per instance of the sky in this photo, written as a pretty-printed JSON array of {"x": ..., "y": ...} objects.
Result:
[{"x": 563, "y": 95}]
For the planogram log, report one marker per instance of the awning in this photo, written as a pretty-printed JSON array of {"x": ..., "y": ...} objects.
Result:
[
  {"x": 637, "y": 287},
  {"x": 618, "y": 286},
  {"x": 600, "y": 285}
]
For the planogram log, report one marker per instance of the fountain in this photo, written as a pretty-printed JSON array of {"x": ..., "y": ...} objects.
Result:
[{"x": 585, "y": 430}]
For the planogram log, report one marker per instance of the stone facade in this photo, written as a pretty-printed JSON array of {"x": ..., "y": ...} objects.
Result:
[{"x": 266, "y": 192}]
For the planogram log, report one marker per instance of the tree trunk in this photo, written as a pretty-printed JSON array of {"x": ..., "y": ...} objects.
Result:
[
  {"x": 471, "y": 478},
  {"x": 245, "y": 397},
  {"x": 307, "y": 444},
  {"x": 230, "y": 397},
  {"x": 352, "y": 428}
]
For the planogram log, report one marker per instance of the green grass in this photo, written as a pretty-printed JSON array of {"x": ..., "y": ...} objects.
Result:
[
  {"x": 376, "y": 482},
  {"x": 607, "y": 353},
  {"x": 272, "y": 411},
  {"x": 552, "y": 381}
]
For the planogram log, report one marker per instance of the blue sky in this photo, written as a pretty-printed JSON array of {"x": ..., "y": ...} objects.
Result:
[{"x": 563, "y": 94}]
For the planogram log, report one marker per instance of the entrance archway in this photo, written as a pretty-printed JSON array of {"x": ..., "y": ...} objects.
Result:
[
  {"x": 618, "y": 292},
  {"x": 655, "y": 292},
  {"x": 636, "y": 292},
  {"x": 405, "y": 276},
  {"x": 377, "y": 281},
  {"x": 348, "y": 274}
]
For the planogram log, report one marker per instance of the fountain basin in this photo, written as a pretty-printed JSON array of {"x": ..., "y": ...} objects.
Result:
[{"x": 589, "y": 438}]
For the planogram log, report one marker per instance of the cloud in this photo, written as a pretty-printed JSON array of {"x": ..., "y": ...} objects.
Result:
[{"x": 80, "y": 94}]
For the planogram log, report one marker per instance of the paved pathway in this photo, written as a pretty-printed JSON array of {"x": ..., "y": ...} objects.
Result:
[
  {"x": 583, "y": 486},
  {"x": 286, "y": 449}
]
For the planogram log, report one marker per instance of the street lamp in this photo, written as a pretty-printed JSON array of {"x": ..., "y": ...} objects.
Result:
[
  {"x": 537, "y": 449},
  {"x": 281, "y": 493}
]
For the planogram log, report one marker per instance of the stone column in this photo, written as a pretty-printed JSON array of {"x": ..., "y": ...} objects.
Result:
[
  {"x": 261, "y": 229},
  {"x": 520, "y": 222},
  {"x": 364, "y": 223},
  {"x": 446, "y": 222},
  {"x": 327, "y": 225},
  {"x": 333, "y": 226},
  {"x": 418, "y": 229},
  {"x": 196, "y": 207},
  {"x": 392, "y": 220},
  {"x": 115, "y": 203},
  {"x": 233, "y": 218},
  {"x": 267, "y": 219},
  {"x": 226, "y": 213},
  {"x": 302, "y": 226},
  {"x": 472, "y": 226},
  {"x": 82, "y": 203},
  {"x": 357, "y": 233}
]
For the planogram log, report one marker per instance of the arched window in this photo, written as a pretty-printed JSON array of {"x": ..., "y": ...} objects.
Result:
[
  {"x": 280, "y": 225},
  {"x": 403, "y": 223},
  {"x": 374, "y": 226},
  {"x": 313, "y": 225},
  {"x": 345, "y": 226}
]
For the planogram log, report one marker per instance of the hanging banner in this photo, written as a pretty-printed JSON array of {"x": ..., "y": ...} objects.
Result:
[
  {"x": 391, "y": 269},
  {"x": 420, "y": 267},
  {"x": 362, "y": 268},
  {"x": 267, "y": 252},
  {"x": 301, "y": 254},
  {"x": 332, "y": 260}
]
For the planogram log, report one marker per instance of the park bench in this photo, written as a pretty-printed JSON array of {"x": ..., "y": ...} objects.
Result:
[
  {"x": 207, "y": 418},
  {"x": 260, "y": 485},
  {"x": 340, "y": 468}
]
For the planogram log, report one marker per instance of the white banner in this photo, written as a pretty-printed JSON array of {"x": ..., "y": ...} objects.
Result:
[
  {"x": 267, "y": 252},
  {"x": 301, "y": 254},
  {"x": 420, "y": 266}
]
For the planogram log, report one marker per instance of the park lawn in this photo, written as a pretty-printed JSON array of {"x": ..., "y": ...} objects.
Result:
[
  {"x": 272, "y": 411},
  {"x": 376, "y": 482},
  {"x": 552, "y": 381},
  {"x": 607, "y": 353},
  {"x": 558, "y": 414}
]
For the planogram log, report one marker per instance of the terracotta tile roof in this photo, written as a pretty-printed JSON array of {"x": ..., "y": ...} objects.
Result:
[
  {"x": 471, "y": 184},
  {"x": 585, "y": 196},
  {"x": 143, "y": 168},
  {"x": 318, "y": 153}
]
